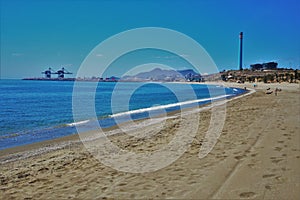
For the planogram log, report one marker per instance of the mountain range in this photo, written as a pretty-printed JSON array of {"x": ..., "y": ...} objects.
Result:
[{"x": 158, "y": 74}]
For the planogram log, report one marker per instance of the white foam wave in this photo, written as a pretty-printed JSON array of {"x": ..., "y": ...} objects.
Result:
[
  {"x": 167, "y": 106},
  {"x": 77, "y": 123}
]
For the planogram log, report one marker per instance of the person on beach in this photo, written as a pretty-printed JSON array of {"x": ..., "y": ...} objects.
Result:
[
  {"x": 277, "y": 90},
  {"x": 268, "y": 91}
]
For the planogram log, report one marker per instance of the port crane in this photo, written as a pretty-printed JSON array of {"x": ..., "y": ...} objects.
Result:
[
  {"x": 48, "y": 72},
  {"x": 61, "y": 73}
]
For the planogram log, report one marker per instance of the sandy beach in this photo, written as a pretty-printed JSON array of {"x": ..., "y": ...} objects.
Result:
[{"x": 257, "y": 156}]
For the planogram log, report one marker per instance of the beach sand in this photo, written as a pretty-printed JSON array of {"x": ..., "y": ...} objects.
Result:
[{"x": 256, "y": 156}]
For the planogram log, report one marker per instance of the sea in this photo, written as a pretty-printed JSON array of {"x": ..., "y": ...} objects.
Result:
[{"x": 34, "y": 111}]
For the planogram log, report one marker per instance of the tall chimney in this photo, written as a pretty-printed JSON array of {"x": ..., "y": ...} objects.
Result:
[{"x": 241, "y": 50}]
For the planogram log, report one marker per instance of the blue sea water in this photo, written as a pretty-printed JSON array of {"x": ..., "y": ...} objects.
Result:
[{"x": 33, "y": 111}]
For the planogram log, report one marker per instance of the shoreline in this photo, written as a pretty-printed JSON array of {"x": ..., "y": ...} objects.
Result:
[
  {"x": 74, "y": 137},
  {"x": 34, "y": 149},
  {"x": 256, "y": 156}
]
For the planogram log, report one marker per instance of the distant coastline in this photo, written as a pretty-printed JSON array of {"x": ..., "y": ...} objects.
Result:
[
  {"x": 70, "y": 79},
  {"x": 158, "y": 75},
  {"x": 49, "y": 79}
]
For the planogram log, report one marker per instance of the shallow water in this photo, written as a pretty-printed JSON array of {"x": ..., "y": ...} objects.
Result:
[{"x": 32, "y": 111}]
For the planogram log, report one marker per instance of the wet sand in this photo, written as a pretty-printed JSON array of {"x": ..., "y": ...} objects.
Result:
[{"x": 256, "y": 156}]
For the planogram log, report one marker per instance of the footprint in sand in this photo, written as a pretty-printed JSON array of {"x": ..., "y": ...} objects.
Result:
[
  {"x": 278, "y": 148},
  {"x": 268, "y": 187},
  {"x": 251, "y": 165},
  {"x": 253, "y": 155},
  {"x": 268, "y": 175},
  {"x": 280, "y": 179},
  {"x": 80, "y": 190},
  {"x": 247, "y": 194},
  {"x": 239, "y": 157},
  {"x": 236, "y": 152},
  {"x": 277, "y": 161},
  {"x": 285, "y": 169}
]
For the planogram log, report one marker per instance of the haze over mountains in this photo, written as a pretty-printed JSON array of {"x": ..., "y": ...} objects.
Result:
[{"x": 158, "y": 74}]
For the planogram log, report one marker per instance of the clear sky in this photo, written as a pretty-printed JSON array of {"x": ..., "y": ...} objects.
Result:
[{"x": 37, "y": 34}]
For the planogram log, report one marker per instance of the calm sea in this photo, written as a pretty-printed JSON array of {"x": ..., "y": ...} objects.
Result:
[{"x": 33, "y": 111}]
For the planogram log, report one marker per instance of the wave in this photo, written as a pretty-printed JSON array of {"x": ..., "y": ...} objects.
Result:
[
  {"x": 77, "y": 123},
  {"x": 142, "y": 110}
]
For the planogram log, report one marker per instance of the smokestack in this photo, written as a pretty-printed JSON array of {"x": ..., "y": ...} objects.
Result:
[{"x": 241, "y": 50}]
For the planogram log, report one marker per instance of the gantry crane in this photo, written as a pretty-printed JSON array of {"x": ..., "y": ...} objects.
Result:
[
  {"x": 60, "y": 73},
  {"x": 48, "y": 72}
]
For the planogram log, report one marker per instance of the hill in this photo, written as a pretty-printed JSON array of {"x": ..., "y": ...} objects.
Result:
[{"x": 158, "y": 74}]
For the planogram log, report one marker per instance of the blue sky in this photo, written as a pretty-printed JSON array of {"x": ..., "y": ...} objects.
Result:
[{"x": 37, "y": 34}]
